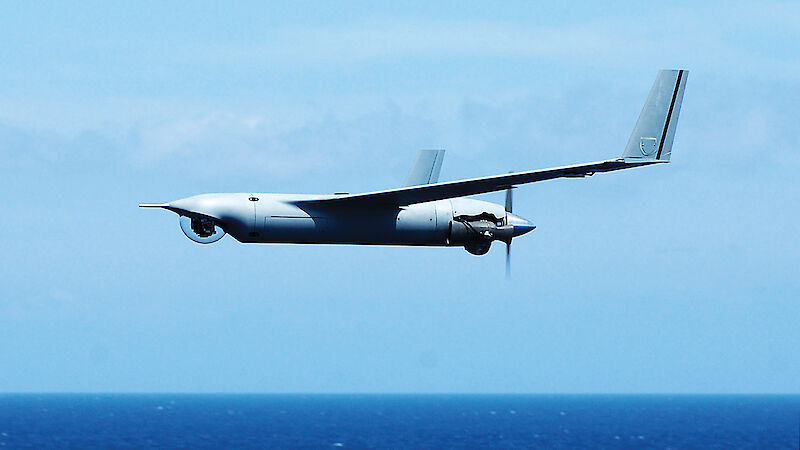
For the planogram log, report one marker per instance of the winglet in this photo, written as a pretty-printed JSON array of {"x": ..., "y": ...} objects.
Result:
[
  {"x": 652, "y": 137},
  {"x": 426, "y": 168}
]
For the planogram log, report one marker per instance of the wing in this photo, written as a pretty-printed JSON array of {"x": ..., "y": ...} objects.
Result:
[
  {"x": 650, "y": 143},
  {"x": 438, "y": 191}
]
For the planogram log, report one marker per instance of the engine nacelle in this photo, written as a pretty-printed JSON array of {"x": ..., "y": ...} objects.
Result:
[
  {"x": 476, "y": 233},
  {"x": 202, "y": 230},
  {"x": 464, "y": 231}
]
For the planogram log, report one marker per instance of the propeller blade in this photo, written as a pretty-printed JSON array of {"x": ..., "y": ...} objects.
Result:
[
  {"x": 508, "y": 259},
  {"x": 509, "y": 210}
]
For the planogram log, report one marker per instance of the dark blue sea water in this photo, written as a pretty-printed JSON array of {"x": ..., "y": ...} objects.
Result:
[{"x": 398, "y": 421}]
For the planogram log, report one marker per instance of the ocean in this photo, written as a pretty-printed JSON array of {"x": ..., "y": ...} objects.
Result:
[{"x": 399, "y": 421}]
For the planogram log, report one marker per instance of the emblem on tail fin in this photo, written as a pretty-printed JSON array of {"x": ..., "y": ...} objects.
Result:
[{"x": 648, "y": 146}]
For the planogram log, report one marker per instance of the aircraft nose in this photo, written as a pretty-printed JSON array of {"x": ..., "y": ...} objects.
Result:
[{"x": 521, "y": 226}]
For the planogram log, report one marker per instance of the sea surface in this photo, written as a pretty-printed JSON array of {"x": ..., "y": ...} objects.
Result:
[{"x": 398, "y": 421}]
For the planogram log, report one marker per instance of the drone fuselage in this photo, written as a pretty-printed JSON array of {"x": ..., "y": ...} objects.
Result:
[{"x": 284, "y": 218}]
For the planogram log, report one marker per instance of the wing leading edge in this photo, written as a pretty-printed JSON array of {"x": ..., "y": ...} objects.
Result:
[{"x": 650, "y": 143}]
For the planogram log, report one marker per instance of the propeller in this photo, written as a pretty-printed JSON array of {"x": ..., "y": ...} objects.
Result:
[{"x": 509, "y": 210}]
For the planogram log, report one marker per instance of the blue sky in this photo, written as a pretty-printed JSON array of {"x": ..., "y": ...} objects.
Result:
[{"x": 667, "y": 279}]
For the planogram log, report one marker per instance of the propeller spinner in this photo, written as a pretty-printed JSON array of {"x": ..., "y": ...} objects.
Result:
[{"x": 519, "y": 226}]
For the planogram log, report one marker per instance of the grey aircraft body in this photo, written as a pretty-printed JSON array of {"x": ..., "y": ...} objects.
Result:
[{"x": 424, "y": 211}]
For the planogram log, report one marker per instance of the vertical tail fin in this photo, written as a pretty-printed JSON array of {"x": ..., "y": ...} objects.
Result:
[
  {"x": 652, "y": 137},
  {"x": 426, "y": 168}
]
